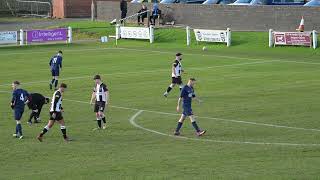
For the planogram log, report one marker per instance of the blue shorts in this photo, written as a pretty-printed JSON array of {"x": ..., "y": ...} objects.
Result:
[
  {"x": 55, "y": 72},
  {"x": 187, "y": 111},
  {"x": 18, "y": 114}
]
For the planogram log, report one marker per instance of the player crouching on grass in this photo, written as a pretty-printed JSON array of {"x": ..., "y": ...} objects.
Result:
[
  {"x": 187, "y": 94},
  {"x": 101, "y": 96},
  {"x": 56, "y": 114},
  {"x": 36, "y": 102}
]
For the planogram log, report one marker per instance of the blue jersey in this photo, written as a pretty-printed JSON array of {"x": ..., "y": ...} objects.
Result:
[
  {"x": 55, "y": 63},
  {"x": 187, "y": 93},
  {"x": 19, "y": 97}
]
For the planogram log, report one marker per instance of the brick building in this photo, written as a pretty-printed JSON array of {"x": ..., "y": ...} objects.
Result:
[{"x": 73, "y": 8}]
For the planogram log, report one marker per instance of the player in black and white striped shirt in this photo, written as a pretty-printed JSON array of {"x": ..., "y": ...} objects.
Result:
[
  {"x": 176, "y": 72},
  {"x": 56, "y": 113},
  {"x": 101, "y": 96}
]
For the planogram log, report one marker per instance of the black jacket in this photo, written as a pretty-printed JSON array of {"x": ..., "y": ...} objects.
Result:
[
  {"x": 36, "y": 100},
  {"x": 123, "y": 6}
]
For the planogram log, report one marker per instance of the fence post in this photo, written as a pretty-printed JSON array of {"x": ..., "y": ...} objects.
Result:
[
  {"x": 228, "y": 37},
  {"x": 21, "y": 37},
  {"x": 148, "y": 18},
  {"x": 118, "y": 31},
  {"x": 270, "y": 37},
  {"x": 92, "y": 11},
  {"x": 188, "y": 35},
  {"x": 151, "y": 31},
  {"x": 314, "y": 39},
  {"x": 69, "y": 34}
]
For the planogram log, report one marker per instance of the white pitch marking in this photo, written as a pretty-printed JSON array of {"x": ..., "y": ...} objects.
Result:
[
  {"x": 162, "y": 52},
  {"x": 140, "y": 72},
  {"x": 212, "y": 118},
  {"x": 132, "y": 122}
]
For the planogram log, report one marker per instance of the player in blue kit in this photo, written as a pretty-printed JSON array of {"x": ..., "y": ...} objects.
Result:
[
  {"x": 55, "y": 67},
  {"x": 187, "y": 94},
  {"x": 19, "y": 99}
]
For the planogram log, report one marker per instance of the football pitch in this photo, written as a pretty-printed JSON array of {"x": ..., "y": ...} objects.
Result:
[{"x": 261, "y": 110}]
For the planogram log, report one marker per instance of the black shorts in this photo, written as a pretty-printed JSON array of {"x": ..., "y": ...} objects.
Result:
[
  {"x": 177, "y": 80},
  {"x": 99, "y": 106},
  {"x": 58, "y": 116}
]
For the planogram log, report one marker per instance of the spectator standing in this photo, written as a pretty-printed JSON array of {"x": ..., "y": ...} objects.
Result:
[{"x": 123, "y": 9}]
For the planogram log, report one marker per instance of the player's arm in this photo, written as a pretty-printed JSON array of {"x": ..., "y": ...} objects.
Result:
[
  {"x": 60, "y": 63},
  {"x": 196, "y": 98},
  {"x": 13, "y": 100},
  {"x": 27, "y": 98},
  {"x": 55, "y": 102},
  {"x": 179, "y": 102},
  {"x": 182, "y": 94},
  {"x": 173, "y": 69},
  {"x": 93, "y": 97},
  {"x": 106, "y": 91},
  {"x": 50, "y": 62}
]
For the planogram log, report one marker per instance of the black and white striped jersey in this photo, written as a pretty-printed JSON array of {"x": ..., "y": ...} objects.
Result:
[
  {"x": 177, "y": 68},
  {"x": 100, "y": 91},
  {"x": 56, "y": 102}
]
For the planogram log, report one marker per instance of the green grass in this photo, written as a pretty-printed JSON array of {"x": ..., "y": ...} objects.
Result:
[{"x": 247, "y": 82}]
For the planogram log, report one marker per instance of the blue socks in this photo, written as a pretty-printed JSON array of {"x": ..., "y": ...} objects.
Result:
[
  {"x": 19, "y": 129},
  {"x": 179, "y": 126},
  {"x": 195, "y": 126}
]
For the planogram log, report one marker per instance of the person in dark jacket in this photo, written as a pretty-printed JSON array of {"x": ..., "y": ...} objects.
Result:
[
  {"x": 123, "y": 9},
  {"x": 36, "y": 101},
  {"x": 156, "y": 12},
  {"x": 143, "y": 14}
]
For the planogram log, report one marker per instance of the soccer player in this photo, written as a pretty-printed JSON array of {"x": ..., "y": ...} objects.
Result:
[
  {"x": 101, "y": 96},
  {"x": 36, "y": 101},
  {"x": 55, "y": 66},
  {"x": 56, "y": 113},
  {"x": 187, "y": 94},
  {"x": 176, "y": 74},
  {"x": 19, "y": 99}
]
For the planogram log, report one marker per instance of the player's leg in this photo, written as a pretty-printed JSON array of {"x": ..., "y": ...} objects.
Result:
[
  {"x": 103, "y": 118},
  {"x": 18, "y": 115},
  {"x": 63, "y": 130},
  {"x": 56, "y": 80},
  {"x": 52, "y": 80},
  {"x": 98, "y": 120},
  {"x": 96, "y": 110},
  {"x": 37, "y": 118},
  {"x": 179, "y": 125},
  {"x": 102, "y": 115},
  {"x": 32, "y": 115},
  {"x": 173, "y": 83},
  {"x": 199, "y": 132},
  {"x": 53, "y": 117},
  {"x": 46, "y": 129},
  {"x": 180, "y": 83}
]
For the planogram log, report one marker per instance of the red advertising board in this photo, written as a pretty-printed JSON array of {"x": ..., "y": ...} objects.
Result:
[{"x": 293, "y": 38}]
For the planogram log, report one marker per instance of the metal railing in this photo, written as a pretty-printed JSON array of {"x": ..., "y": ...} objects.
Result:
[{"x": 33, "y": 8}]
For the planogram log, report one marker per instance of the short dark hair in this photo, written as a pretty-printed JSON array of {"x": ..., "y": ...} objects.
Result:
[
  {"x": 192, "y": 79},
  {"x": 97, "y": 77},
  {"x": 60, "y": 52},
  {"x": 63, "y": 85},
  {"x": 178, "y": 54},
  {"x": 16, "y": 82}
]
